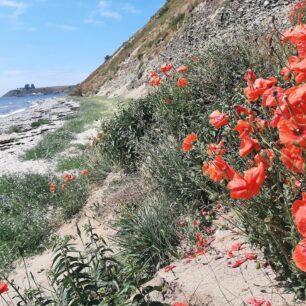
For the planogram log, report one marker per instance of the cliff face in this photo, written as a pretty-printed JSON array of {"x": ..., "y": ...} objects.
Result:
[{"x": 180, "y": 28}]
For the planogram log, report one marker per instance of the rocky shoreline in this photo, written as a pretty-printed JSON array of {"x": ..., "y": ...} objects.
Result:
[{"x": 18, "y": 134}]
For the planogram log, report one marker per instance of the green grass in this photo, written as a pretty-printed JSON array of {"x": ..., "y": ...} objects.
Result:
[
  {"x": 91, "y": 110},
  {"x": 26, "y": 210},
  {"x": 39, "y": 122},
  {"x": 151, "y": 225},
  {"x": 71, "y": 162},
  {"x": 13, "y": 129},
  {"x": 51, "y": 144}
]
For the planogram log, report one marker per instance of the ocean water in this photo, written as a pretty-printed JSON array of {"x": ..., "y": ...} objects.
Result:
[{"x": 11, "y": 105}]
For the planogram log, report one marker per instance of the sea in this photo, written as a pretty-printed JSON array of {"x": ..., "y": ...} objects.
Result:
[{"x": 12, "y": 105}]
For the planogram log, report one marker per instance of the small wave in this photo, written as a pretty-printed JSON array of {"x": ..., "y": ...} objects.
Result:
[{"x": 13, "y": 113}]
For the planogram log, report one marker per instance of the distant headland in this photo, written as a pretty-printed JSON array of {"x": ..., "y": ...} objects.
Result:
[{"x": 31, "y": 90}]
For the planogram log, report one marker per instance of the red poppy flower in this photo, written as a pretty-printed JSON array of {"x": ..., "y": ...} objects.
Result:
[
  {"x": 301, "y": 47},
  {"x": 236, "y": 246},
  {"x": 296, "y": 98},
  {"x": 295, "y": 35},
  {"x": 244, "y": 128},
  {"x": 300, "y": 77},
  {"x": 179, "y": 304},
  {"x": 266, "y": 157},
  {"x": 85, "y": 172},
  {"x": 166, "y": 68},
  {"x": 239, "y": 262},
  {"x": 218, "y": 169},
  {"x": 293, "y": 131},
  {"x": 247, "y": 186},
  {"x": 182, "y": 82},
  {"x": 63, "y": 187},
  {"x": 214, "y": 149},
  {"x": 52, "y": 187},
  {"x": 299, "y": 255},
  {"x": 196, "y": 223},
  {"x": 200, "y": 240},
  {"x": 292, "y": 158},
  {"x": 250, "y": 77},
  {"x": 182, "y": 69},
  {"x": 169, "y": 268},
  {"x": 218, "y": 119},
  {"x": 258, "y": 88},
  {"x": 261, "y": 124},
  {"x": 285, "y": 73},
  {"x": 241, "y": 110},
  {"x": 155, "y": 81},
  {"x": 272, "y": 96},
  {"x": 188, "y": 141},
  {"x": 3, "y": 287},
  {"x": 154, "y": 74},
  {"x": 230, "y": 254},
  {"x": 257, "y": 302},
  {"x": 248, "y": 145},
  {"x": 250, "y": 256},
  {"x": 168, "y": 101},
  {"x": 299, "y": 214}
]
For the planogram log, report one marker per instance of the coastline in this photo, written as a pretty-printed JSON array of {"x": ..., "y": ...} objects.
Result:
[{"x": 13, "y": 144}]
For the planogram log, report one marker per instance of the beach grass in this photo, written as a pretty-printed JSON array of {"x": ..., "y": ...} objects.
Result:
[
  {"x": 27, "y": 208},
  {"x": 71, "y": 162},
  {"x": 39, "y": 122},
  {"x": 92, "y": 109},
  {"x": 51, "y": 144},
  {"x": 13, "y": 129}
]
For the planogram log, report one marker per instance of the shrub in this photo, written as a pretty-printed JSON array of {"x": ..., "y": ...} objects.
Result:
[
  {"x": 122, "y": 133},
  {"x": 147, "y": 234},
  {"x": 180, "y": 178}
]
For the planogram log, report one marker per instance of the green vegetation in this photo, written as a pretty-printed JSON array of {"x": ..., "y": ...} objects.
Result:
[
  {"x": 91, "y": 110},
  {"x": 93, "y": 276},
  {"x": 39, "y": 122},
  {"x": 72, "y": 162},
  {"x": 51, "y": 144},
  {"x": 27, "y": 208},
  {"x": 13, "y": 129},
  {"x": 154, "y": 226}
]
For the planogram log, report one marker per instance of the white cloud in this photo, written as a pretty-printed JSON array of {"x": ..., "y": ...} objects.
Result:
[
  {"x": 62, "y": 27},
  {"x": 18, "y": 7},
  {"x": 130, "y": 8},
  {"x": 66, "y": 27},
  {"x": 110, "y": 14},
  {"x": 104, "y": 3},
  {"x": 90, "y": 20},
  {"x": 105, "y": 10}
]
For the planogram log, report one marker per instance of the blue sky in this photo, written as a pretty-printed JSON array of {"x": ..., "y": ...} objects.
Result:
[{"x": 59, "y": 42}]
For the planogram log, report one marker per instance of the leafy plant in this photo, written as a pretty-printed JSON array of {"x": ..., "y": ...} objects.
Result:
[{"x": 90, "y": 277}]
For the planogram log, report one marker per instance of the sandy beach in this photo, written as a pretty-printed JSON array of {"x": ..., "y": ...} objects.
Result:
[{"x": 12, "y": 145}]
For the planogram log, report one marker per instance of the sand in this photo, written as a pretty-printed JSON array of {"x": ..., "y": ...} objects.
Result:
[{"x": 12, "y": 145}]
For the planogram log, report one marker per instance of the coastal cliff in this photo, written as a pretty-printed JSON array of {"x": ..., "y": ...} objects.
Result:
[{"x": 180, "y": 28}]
